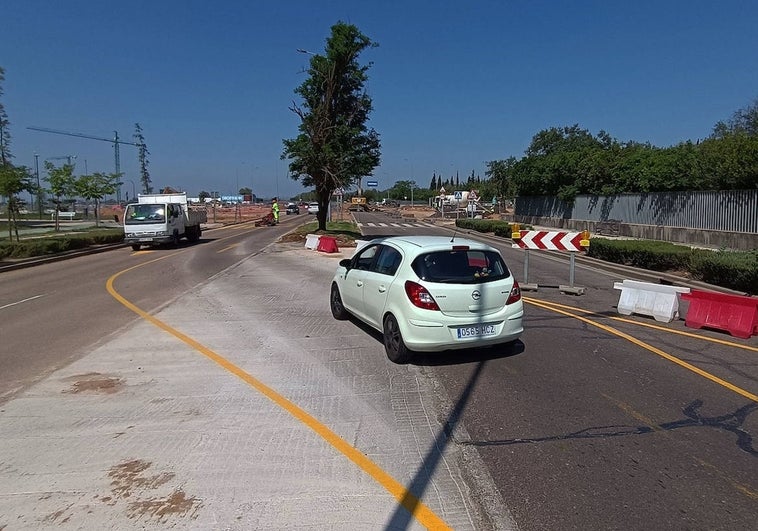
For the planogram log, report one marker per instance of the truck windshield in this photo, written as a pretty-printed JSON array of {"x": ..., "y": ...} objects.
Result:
[{"x": 136, "y": 214}]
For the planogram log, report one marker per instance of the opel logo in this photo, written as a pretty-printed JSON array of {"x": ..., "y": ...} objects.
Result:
[{"x": 476, "y": 295}]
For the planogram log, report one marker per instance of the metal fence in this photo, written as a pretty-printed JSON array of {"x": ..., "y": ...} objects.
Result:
[{"x": 732, "y": 211}]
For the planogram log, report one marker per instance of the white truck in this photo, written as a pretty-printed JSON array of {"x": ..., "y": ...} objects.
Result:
[{"x": 162, "y": 218}]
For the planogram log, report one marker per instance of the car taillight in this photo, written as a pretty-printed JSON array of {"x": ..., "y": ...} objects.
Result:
[
  {"x": 419, "y": 296},
  {"x": 515, "y": 294}
]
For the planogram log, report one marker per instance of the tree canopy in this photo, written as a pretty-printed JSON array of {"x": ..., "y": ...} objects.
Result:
[
  {"x": 139, "y": 139},
  {"x": 335, "y": 147},
  {"x": 96, "y": 186},
  {"x": 567, "y": 161}
]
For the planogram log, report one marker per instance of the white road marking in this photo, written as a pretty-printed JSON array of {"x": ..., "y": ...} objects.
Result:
[{"x": 21, "y": 301}]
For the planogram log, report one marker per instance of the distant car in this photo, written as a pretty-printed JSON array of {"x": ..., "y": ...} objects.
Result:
[
  {"x": 292, "y": 208},
  {"x": 313, "y": 208},
  {"x": 429, "y": 294}
]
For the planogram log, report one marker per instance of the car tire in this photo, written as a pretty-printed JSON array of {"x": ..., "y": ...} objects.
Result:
[
  {"x": 335, "y": 303},
  {"x": 136, "y": 247},
  {"x": 394, "y": 345}
]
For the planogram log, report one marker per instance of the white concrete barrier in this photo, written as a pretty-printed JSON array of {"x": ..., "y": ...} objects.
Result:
[
  {"x": 311, "y": 241},
  {"x": 657, "y": 300}
]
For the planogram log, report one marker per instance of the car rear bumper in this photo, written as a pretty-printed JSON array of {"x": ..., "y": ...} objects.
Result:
[{"x": 428, "y": 336}]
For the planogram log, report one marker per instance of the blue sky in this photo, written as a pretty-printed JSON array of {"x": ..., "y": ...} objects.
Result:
[{"x": 454, "y": 84}]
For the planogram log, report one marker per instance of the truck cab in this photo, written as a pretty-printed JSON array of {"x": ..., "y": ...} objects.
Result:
[{"x": 161, "y": 218}]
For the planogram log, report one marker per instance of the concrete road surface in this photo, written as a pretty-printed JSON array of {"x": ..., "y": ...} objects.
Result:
[{"x": 241, "y": 405}]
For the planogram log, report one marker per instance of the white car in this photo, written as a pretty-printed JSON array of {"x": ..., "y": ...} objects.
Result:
[
  {"x": 313, "y": 208},
  {"x": 429, "y": 294}
]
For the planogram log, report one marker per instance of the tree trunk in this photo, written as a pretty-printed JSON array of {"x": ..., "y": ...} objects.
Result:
[{"x": 323, "y": 208}]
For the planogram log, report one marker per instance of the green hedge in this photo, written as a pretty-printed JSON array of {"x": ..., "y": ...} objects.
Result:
[
  {"x": 736, "y": 270},
  {"x": 59, "y": 243},
  {"x": 729, "y": 269},
  {"x": 647, "y": 254},
  {"x": 497, "y": 226}
]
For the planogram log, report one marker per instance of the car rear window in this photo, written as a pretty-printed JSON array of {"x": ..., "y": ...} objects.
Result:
[{"x": 461, "y": 266}]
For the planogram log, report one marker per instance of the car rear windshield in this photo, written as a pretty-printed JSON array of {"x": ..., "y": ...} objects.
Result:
[{"x": 461, "y": 267}]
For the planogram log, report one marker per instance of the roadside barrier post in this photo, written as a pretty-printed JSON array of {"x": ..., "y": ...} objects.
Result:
[{"x": 551, "y": 241}]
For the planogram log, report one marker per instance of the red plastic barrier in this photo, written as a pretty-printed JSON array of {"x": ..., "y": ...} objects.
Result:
[
  {"x": 736, "y": 314},
  {"x": 327, "y": 244}
]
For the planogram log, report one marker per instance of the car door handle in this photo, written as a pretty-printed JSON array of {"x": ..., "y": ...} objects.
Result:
[
  {"x": 359, "y": 283},
  {"x": 382, "y": 289}
]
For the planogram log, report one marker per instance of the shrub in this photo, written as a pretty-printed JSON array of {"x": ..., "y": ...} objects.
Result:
[
  {"x": 647, "y": 254},
  {"x": 59, "y": 243},
  {"x": 730, "y": 269},
  {"x": 497, "y": 226}
]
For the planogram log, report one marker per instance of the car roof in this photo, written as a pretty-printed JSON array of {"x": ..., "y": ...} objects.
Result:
[{"x": 420, "y": 244}]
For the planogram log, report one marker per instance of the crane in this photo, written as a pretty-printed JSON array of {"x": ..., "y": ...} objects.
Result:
[{"x": 115, "y": 141}]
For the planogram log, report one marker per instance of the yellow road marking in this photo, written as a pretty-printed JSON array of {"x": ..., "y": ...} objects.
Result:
[
  {"x": 651, "y": 348},
  {"x": 648, "y": 325},
  {"x": 408, "y": 500},
  {"x": 232, "y": 246}
]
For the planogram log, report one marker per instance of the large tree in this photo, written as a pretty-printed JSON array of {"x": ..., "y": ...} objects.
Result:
[
  {"x": 334, "y": 148},
  {"x": 5, "y": 136},
  {"x": 13, "y": 180},
  {"x": 743, "y": 121},
  {"x": 139, "y": 139}
]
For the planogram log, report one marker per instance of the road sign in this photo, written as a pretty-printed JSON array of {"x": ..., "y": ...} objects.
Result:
[
  {"x": 472, "y": 195},
  {"x": 550, "y": 240},
  {"x": 372, "y": 184},
  {"x": 458, "y": 195}
]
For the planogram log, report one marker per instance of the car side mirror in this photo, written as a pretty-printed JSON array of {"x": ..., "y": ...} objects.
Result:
[{"x": 345, "y": 262}]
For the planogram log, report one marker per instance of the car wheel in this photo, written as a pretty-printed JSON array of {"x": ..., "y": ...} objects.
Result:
[
  {"x": 335, "y": 302},
  {"x": 136, "y": 247},
  {"x": 394, "y": 345}
]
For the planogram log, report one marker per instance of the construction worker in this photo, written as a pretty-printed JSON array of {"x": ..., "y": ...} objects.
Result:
[{"x": 275, "y": 210}]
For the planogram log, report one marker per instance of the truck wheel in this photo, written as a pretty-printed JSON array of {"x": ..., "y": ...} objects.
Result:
[
  {"x": 136, "y": 247},
  {"x": 193, "y": 234}
]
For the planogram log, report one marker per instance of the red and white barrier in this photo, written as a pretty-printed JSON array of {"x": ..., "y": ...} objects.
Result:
[
  {"x": 550, "y": 240},
  {"x": 656, "y": 300},
  {"x": 736, "y": 314}
]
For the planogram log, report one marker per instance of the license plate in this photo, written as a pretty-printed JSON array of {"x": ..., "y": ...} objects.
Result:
[
  {"x": 475, "y": 331},
  {"x": 145, "y": 239}
]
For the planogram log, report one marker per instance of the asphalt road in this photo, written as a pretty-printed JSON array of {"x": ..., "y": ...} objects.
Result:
[
  {"x": 598, "y": 421},
  {"x": 591, "y": 422},
  {"x": 55, "y": 312}
]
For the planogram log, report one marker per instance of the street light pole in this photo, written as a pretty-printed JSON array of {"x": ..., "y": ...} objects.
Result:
[
  {"x": 39, "y": 190},
  {"x": 134, "y": 190}
]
